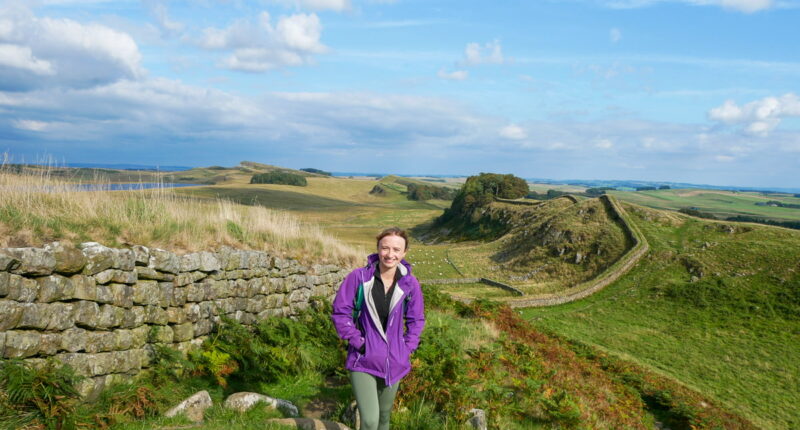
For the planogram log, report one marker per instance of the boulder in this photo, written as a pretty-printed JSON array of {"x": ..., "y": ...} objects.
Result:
[
  {"x": 244, "y": 401},
  {"x": 477, "y": 420},
  {"x": 193, "y": 407},
  {"x": 21, "y": 344},
  {"x": 98, "y": 257},
  {"x": 164, "y": 261},
  {"x": 32, "y": 261},
  {"x": 7, "y": 261},
  {"x": 308, "y": 424},
  {"x": 69, "y": 259},
  {"x": 11, "y": 312}
]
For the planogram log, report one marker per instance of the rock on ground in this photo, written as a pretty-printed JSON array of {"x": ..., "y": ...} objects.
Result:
[{"x": 193, "y": 407}]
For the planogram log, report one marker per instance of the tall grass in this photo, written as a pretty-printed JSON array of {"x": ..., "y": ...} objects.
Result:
[{"x": 36, "y": 208}]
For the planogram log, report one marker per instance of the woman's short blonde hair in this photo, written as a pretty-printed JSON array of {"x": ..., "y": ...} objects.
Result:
[{"x": 392, "y": 231}]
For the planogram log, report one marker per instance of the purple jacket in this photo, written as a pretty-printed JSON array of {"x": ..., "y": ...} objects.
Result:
[{"x": 386, "y": 355}]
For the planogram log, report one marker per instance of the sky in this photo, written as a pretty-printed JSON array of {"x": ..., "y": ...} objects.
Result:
[{"x": 698, "y": 91}]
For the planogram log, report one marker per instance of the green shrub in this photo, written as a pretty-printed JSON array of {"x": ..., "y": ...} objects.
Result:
[
  {"x": 38, "y": 396},
  {"x": 281, "y": 178}
]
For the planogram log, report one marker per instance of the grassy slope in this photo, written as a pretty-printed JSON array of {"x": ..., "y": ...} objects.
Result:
[
  {"x": 720, "y": 203},
  {"x": 734, "y": 334}
]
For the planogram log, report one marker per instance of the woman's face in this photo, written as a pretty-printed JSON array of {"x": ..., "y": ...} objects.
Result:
[{"x": 391, "y": 250}]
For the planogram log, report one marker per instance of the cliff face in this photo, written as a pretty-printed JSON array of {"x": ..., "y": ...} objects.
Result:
[{"x": 102, "y": 309}]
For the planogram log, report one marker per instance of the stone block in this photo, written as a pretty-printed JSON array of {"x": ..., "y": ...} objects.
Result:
[
  {"x": 195, "y": 293},
  {"x": 22, "y": 289},
  {"x": 299, "y": 295},
  {"x": 5, "y": 279},
  {"x": 153, "y": 274},
  {"x": 176, "y": 316},
  {"x": 2, "y": 343},
  {"x": 155, "y": 315},
  {"x": 141, "y": 255},
  {"x": 32, "y": 261},
  {"x": 182, "y": 279},
  {"x": 33, "y": 316},
  {"x": 73, "y": 340},
  {"x": 123, "y": 340},
  {"x": 190, "y": 262},
  {"x": 160, "y": 334},
  {"x": 69, "y": 259},
  {"x": 146, "y": 293},
  {"x": 277, "y": 285},
  {"x": 192, "y": 311},
  {"x": 122, "y": 295},
  {"x": 203, "y": 327},
  {"x": 105, "y": 276},
  {"x": 84, "y": 287},
  {"x": 178, "y": 297},
  {"x": 100, "y": 341},
  {"x": 49, "y": 343},
  {"x": 59, "y": 316},
  {"x": 110, "y": 316},
  {"x": 321, "y": 291},
  {"x": 164, "y": 261},
  {"x": 275, "y": 301},
  {"x": 230, "y": 259},
  {"x": 21, "y": 344},
  {"x": 165, "y": 293},
  {"x": 139, "y": 336},
  {"x": 55, "y": 287},
  {"x": 7, "y": 260},
  {"x": 183, "y": 332},
  {"x": 208, "y": 262},
  {"x": 297, "y": 307},
  {"x": 98, "y": 257},
  {"x": 104, "y": 294},
  {"x": 85, "y": 313},
  {"x": 134, "y": 317},
  {"x": 124, "y": 259},
  {"x": 256, "y": 304},
  {"x": 10, "y": 314}
]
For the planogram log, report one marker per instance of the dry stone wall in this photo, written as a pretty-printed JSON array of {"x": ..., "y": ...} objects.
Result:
[{"x": 102, "y": 309}]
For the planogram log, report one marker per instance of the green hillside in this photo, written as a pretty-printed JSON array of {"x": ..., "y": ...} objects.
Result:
[
  {"x": 714, "y": 305},
  {"x": 722, "y": 204}
]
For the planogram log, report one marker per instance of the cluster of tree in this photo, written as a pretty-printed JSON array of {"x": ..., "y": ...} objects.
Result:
[
  {"x": 651, "y": 188},
  {"x": 697, "y": 212},
  {"x": 283, "y": 178},
  {"x": 778, "y": 204},
  {"x": 427, "y": 192},
  {"x": 788, "y": 224},
  {"x": 550, "y": 194},
  {"x": 481, "y": 190},
  {"x": 317, "y": 171}
]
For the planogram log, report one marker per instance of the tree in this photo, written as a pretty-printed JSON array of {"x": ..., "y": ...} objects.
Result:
[{"x": 283, "y": 178}]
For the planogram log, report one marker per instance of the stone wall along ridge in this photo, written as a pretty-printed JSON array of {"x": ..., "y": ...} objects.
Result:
[{"x": 103, "y": 309}]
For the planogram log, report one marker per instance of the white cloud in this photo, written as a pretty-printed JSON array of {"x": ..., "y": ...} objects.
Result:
[
  {"x": 604, "y": 144},
  {"x": 513, "y": 132},
  {"x": 259, "y": 46},
  {"x": 615, "y": 35},
  {"x": 21, "y": 57},
  {"x": 335, "y": 5},
  {"x": 164, "y": 22},
  {"x": 31, "y": 125},
  {"x": 746, "y": 6},
  {"x": 490, "y": 53},
  {"x": 759, "y": 117},
  {"x": 45, "y": 52},
  {"x": 455, "y": 75}
]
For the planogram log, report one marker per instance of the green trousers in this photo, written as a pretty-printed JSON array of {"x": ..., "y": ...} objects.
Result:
[{"x": 374, "y": 400}]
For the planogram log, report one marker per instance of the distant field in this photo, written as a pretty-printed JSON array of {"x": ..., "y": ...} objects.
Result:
[
  {"x": 719, "y": 203},
  {"x": 733, "y": 332}
]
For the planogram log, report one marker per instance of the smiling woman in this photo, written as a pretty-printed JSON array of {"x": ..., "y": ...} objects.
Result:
[{"x": 379, "y": 311}]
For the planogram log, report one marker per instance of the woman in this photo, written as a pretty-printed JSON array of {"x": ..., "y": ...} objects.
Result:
[{"x": 379, "y": 311}]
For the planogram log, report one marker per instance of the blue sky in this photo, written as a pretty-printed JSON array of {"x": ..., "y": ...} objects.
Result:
[{"x": 702, "y": 91}]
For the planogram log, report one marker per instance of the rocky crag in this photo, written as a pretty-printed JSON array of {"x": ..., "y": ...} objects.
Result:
[{"x": 102, "y": 309}]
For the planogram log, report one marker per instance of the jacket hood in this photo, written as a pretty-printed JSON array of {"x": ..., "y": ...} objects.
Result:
[{"x": 405, "y": 266}]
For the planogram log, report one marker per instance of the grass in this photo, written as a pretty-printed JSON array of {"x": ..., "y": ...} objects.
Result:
[
  {"x": 722, "y": 204},
  {"x": 38, "y": 208},
  {"x": 732, "y": 332}
]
